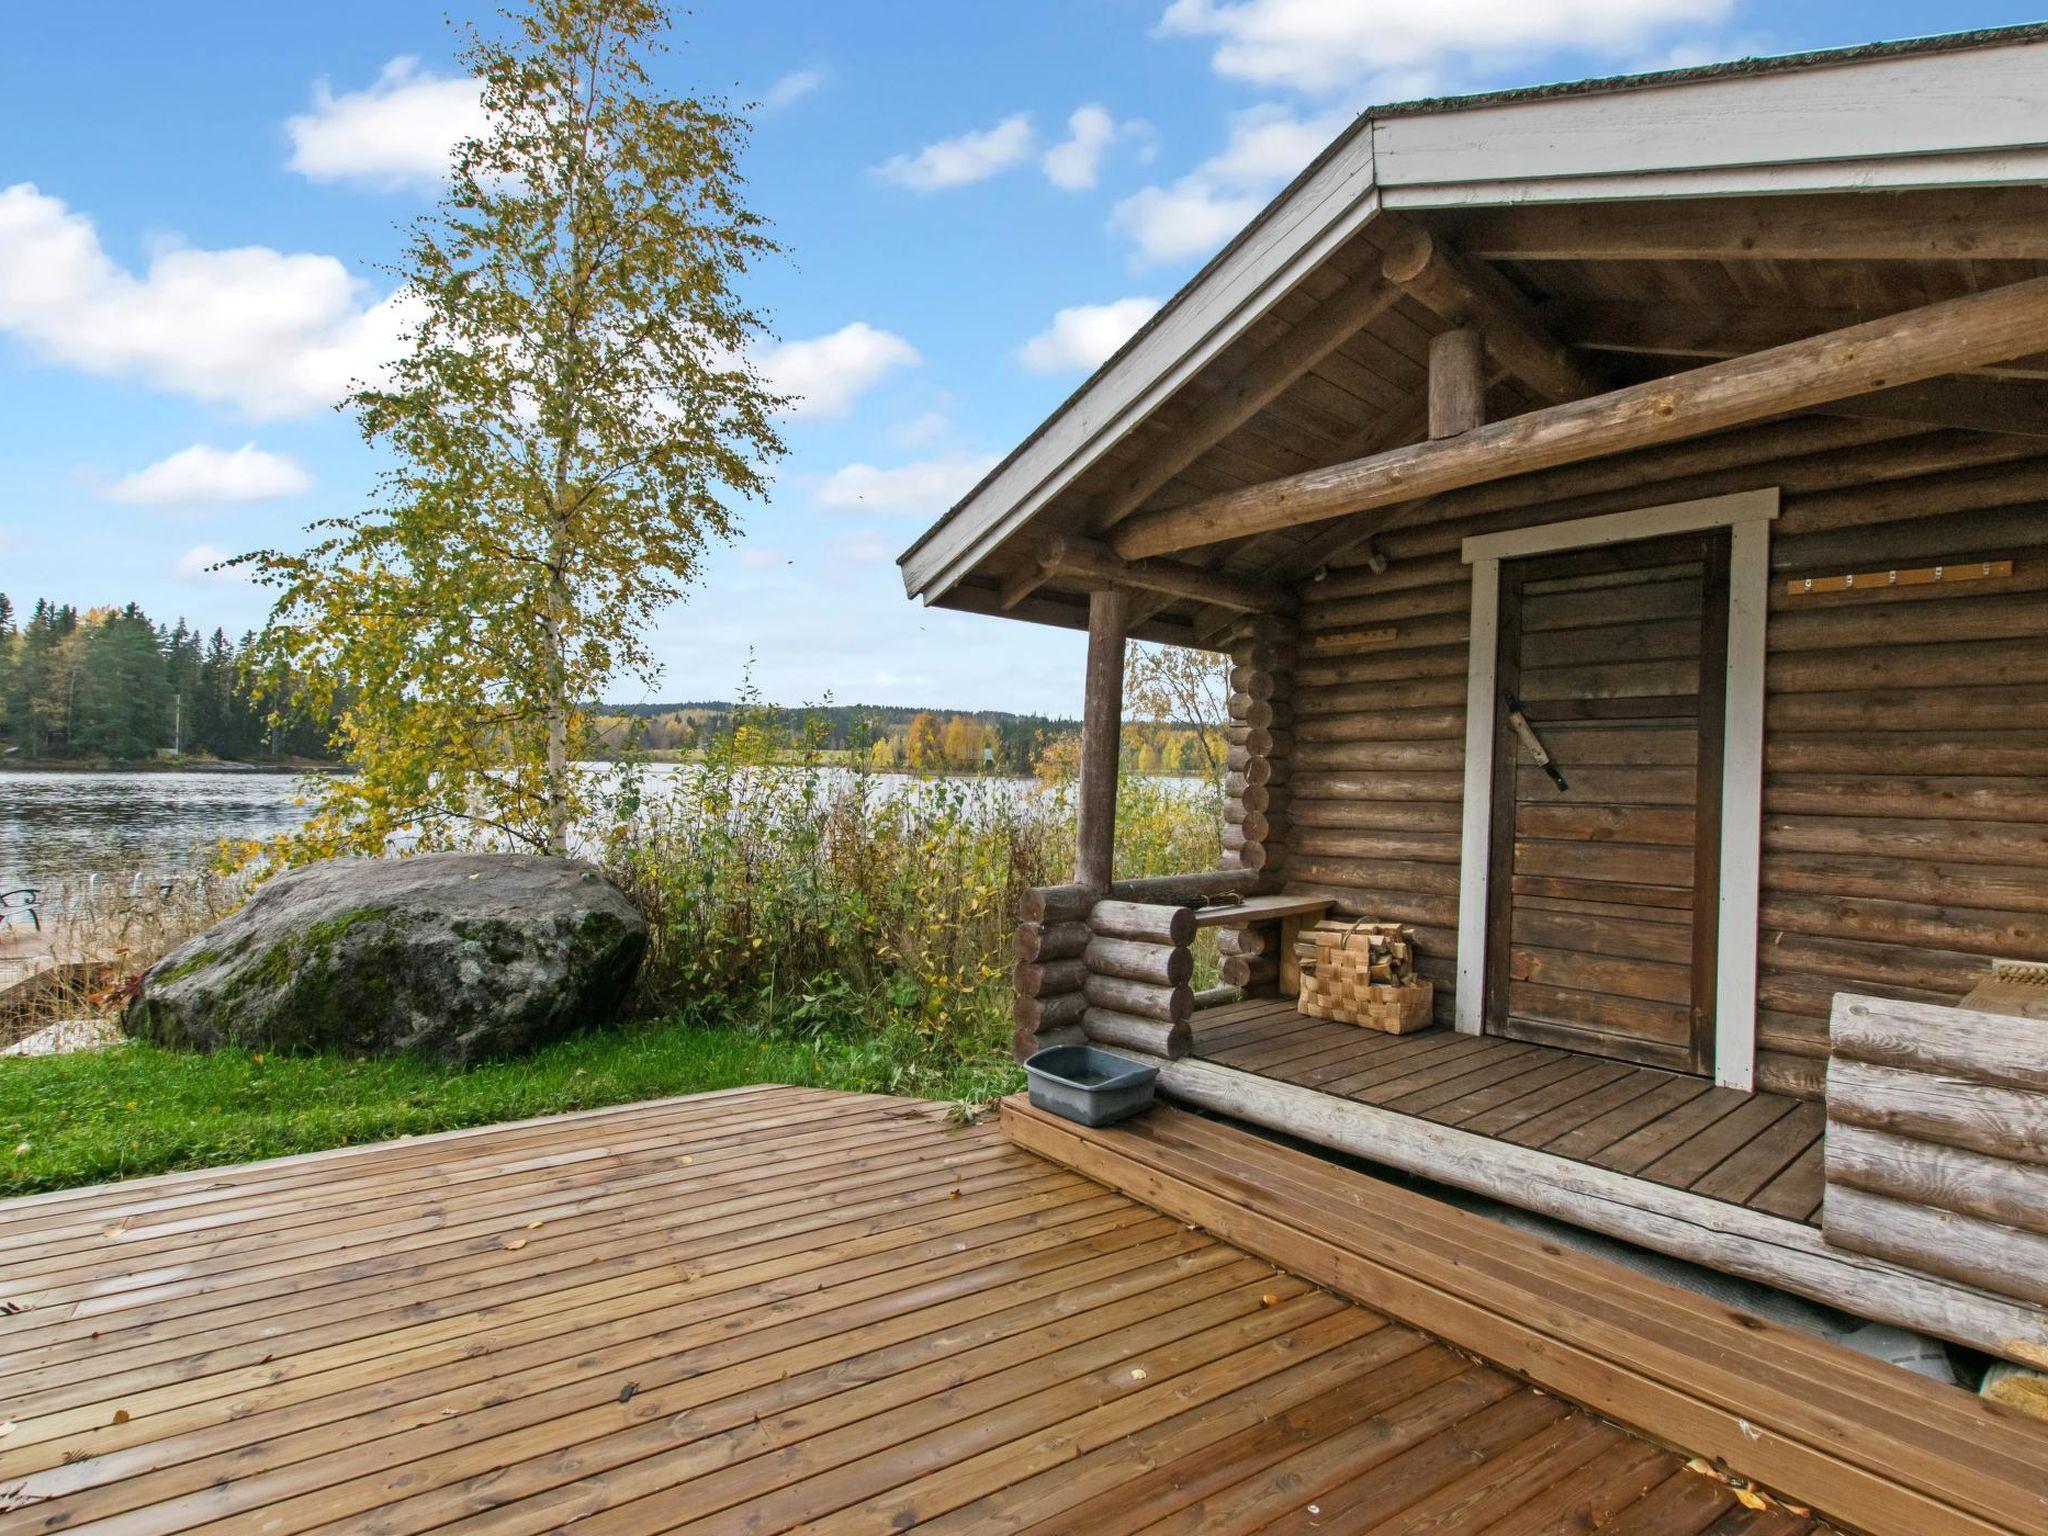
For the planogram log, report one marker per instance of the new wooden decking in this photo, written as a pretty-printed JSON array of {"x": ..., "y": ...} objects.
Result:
[
  {"x": 745, "y": 1312},
  {"x": 1761, "y": 1150}
]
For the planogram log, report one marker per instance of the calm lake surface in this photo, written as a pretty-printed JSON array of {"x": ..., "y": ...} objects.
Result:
[{"x": 59, "y": 829}]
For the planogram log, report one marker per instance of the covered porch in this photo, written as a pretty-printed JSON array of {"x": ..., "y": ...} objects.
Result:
[{"x": 1625, "y": 513}]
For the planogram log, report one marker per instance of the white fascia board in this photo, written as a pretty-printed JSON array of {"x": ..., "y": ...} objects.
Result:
[
  {"x": 1291, "y": 242},
  {"x": 1933, "y": 119}
]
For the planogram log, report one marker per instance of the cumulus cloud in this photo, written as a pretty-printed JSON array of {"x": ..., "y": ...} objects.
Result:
[
  {"x": 1267, "y": 146},
  {"x": 201, "y": 563},
  {"x": 826, "y": 374},
  {"x": 270, "y": 333},
  {"x": 1083, "y": 337},
  {"x": 1075, "y": 163},
  {"x": 791, "y": 88},
  {"x": 969, "y": 158},
  {"x": 203, "y": 476},
  {"x": 397, "y": 133},
  {"x": 1321, "y": 45},
  {"x": 922, "y": 488}
]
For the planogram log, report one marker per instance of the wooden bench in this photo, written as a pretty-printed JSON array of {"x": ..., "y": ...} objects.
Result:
[{"x": 1292, "y": 913}]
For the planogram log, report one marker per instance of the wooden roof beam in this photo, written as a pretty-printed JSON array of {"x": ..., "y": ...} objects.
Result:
[
  {"x": 1467, "y": 294},
  {"x": 1880, "y": 354},
  {"x": 1262, "y": 381},
  {"x": 1087, "y": 560}
]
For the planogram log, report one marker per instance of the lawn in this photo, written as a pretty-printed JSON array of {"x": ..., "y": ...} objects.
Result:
[{"x": 136, "y": 1109}]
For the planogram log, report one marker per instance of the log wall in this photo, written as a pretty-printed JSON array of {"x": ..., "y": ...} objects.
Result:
[
  {"x": 1259, "y": 781},
  {"x": 1906, "y": 752},
  {"x": 1937, "y": 1142}
]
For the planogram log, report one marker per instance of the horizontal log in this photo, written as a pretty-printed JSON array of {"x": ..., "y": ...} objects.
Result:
[
  {"x": 1248, "y": 942},
  {"x": 1342, "y": 842},
  {"x": 1904, "y": 878},
  {"x": 1949, "y": 1178},
  {"x": 1042, "y": 1013},
  {"x": 1152, "y": 922},
  {"x": 1218, "y": 997},
  {"x": 1938, "y": 338},
  {"x": 2001, "y": 1260},
  {"x": 1162, "y": 965},
  {"x": 1171, "y": 1039},
  {"x": 1082, "y": 559},
  {"x": 1379, "y": 756},
  {"x": 1248, "y": 796},
  {"x": 1969, "y": 931},
  {"x": 1998, "y": 1122},
  {"x": 1253, "y": 682},
  {"x": 1056, "y": 903},
  {"x": 1728, "y": 1238},
  {"x": 1963, "y": 797},
  {"x": 1250, "y": 973},
  {"x": 1173, "y": 1002},
  {"x": 1983, "y": 707},
  {"x": 1051, "y": 977},
  {"x": 1049, "y": 941},
  {"x": 1384, "y": 725},
  {"x": 1170, "y": 889},
  {"x": 1385, "y": 815},
  {"x": 1990, "y": 1048}
]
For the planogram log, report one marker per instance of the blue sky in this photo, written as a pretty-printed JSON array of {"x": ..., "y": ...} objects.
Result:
[{"x": 979, "y": 201}]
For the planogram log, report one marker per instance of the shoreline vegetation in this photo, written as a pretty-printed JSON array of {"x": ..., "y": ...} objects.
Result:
[{"x": 803, "y": 929}]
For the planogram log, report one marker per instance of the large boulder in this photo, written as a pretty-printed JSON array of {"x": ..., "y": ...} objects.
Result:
[{"x": 456, "y": 956}]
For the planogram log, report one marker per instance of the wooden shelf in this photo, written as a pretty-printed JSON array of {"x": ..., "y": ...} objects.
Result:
[{"x": 1261, "y": 909}]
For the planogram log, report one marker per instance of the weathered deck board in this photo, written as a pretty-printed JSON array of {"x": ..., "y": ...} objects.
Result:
[
  {"x": 1754, "y": 1149},
  {"x": 756, "y": 1310}
]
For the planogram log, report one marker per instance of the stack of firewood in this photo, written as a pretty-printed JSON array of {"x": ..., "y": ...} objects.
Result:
[{"x": 1363, "y": 973}]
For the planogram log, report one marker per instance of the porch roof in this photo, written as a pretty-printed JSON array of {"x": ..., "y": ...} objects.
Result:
[{"x": 1627, "y": 227}]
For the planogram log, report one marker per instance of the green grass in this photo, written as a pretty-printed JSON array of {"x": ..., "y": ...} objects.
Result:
[{"x": 137, "y": 1109}]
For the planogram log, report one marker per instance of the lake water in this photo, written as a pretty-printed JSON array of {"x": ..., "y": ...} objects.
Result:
[{"x": 58, "y": 829}]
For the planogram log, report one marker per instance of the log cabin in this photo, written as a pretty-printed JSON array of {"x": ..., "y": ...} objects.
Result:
[{"x": 1624, "y": 509}]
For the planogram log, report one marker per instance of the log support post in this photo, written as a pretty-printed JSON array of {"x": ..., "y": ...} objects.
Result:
[
  {"x": 1257, "y": 780},
  {"x": 1457, "y": 382},
  {"x": 1102, "y": 714}
]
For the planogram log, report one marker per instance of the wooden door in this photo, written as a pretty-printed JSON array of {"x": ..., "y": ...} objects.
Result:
[{"x": 1602, "y": 895}]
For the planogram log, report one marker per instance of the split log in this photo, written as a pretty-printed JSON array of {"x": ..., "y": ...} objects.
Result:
[
  {"x": 1171, "y": 1039},
  {"x": 1160, "y": 965},
  {"x": 1051, "y": 978},
  {"x": 1926, "y": 1173},
  {"x": 1043, "y": 1013},
  {"x": 1149, "y": 922},
  {"x": 1049, "y": 941},
  {"x": 1998, "y": 1122},
  {"x": 1148, "y": 1000},
  {"x": 1170, "y": 889},
  {"x": 2002, "y": 1260},
  {"x": 1056, "y": 903}
]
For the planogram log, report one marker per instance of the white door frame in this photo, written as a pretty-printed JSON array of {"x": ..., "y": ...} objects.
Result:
[{"x": 1748, "y": 515}]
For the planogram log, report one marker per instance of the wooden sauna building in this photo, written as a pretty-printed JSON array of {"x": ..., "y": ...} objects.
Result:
[{"x": 1688, "y": 430}]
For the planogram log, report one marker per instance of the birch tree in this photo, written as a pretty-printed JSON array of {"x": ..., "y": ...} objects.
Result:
[{"x": 573, "y": 420}]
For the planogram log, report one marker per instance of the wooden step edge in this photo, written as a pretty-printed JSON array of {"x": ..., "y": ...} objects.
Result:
[{"x": 1660, "y": 1410}]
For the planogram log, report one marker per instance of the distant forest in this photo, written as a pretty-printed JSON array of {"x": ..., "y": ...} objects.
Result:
[
  {"x": 84, "y": 685},
  {"x": 885, "y": 735}
]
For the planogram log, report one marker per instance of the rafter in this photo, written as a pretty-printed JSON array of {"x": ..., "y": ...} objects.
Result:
[
  {"x": 1263, "y": 380},
  {"x": 1900, "y": 349},
  {"x": 1468, "y": 294},
  {"x": 1995, "y": 224},
  {"x": 1087, "y": 560}
]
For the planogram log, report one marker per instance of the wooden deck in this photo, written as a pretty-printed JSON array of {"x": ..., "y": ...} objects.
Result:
[
  {"x": 1760, "y": 1150},
  {"x": 748, "y": 1311}
]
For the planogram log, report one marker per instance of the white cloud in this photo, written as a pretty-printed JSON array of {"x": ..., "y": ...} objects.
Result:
[
  {"x": 1319, "y": 45},
  {"x": 828, "y": 373},
  {"x": 863, "y": 548},
  {"x": 198, "y": 564},
  {"x": 923, "y": 431},
  {"x": 1267, "y": 146},
  {"x": 397, "y": 133},
  {"x": 970, "y": 157},
  {"x": 273, "y": 334},
  {"x": 1081, "y": 338},
  {"x": 791, "y": 88},
  {"x": 201, "y": 475},
  {"x": 922, "y": 488},
  {"x": 757, "y": 557},
  {"x": 1076, "y": 162}
]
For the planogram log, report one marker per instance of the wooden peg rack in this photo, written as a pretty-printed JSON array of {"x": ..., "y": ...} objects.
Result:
[{"x": 1923, "y": 576}]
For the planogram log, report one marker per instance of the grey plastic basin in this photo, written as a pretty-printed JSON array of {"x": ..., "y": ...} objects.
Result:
[{"x": 1089, "y": 1085}]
